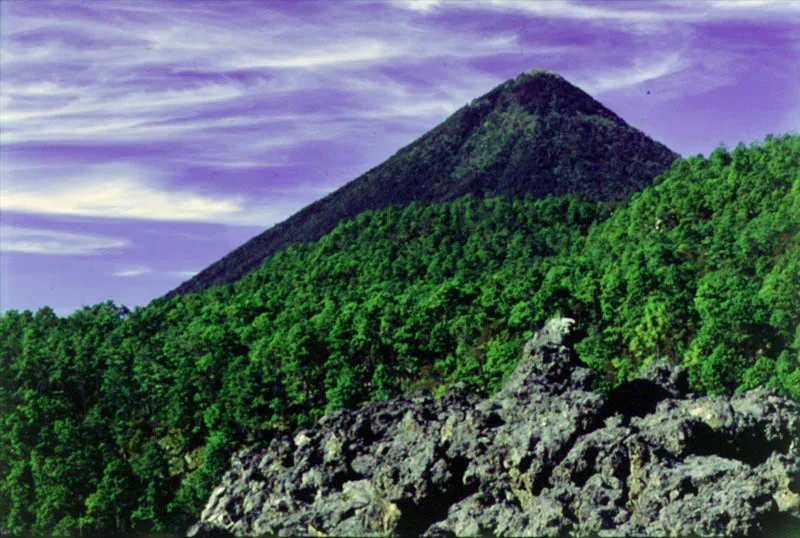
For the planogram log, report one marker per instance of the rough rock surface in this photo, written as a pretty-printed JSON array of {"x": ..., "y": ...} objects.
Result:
[{"x": 545, "y": 456}]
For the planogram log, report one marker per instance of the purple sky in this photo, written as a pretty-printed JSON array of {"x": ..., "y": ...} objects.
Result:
[{"x": 143, "y": 140}]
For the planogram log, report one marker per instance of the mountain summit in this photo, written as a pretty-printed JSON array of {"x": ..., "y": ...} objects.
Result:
[{"x": 534, "y": 135}]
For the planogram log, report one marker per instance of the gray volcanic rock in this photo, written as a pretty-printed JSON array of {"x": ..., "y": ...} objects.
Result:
[{"x": 545, "y": 456}]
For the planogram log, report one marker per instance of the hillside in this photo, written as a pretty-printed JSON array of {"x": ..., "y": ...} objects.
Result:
[
  {"x": 117, "y": 420},
  {"x": 535, "y": 135}
]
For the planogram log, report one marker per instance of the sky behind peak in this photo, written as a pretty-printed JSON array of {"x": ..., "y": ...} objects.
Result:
[{"x": 141, "y": 141}]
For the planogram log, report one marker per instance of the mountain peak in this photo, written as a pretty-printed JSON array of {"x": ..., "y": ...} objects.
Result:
[
  {"x": 535, "y": 135},
  {"x": 542, "y": 93},
  {"x": 537, "y": 73}
]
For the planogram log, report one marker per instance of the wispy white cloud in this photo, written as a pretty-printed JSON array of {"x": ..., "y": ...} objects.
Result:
[
  {"x": 132, "y": 272},
  {"x": 56, "y": 243},
  {"x": 557, "y": 9},
  {"x": 592, "y": 12},
  {"x": 125, "y": 104},
  {"x": 364, "y": 50},
  {"x": 743, "y": 7},
  {"x": 643, "y": 70},
  {"x": 183, "y": 274},
  {"x": 423, "y": 6},
  {"x": 116, "y": 191},
  {"x": 74, "y": 114},
  {"x": 131, "y": 192},
  {"x": 654, "y": 11},
  {"x": 141, "y": 270}
]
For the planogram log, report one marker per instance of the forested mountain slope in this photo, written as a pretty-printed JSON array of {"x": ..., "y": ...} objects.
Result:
[
  {"x": 536, "y": 135},
  {"x": 116, "y": 419}
]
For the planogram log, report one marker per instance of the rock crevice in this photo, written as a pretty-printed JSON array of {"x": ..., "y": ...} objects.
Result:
[{"x": 545, "y": 456}]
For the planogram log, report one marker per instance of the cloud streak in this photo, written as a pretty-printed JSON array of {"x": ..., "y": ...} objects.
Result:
[
  {"x": 132, "y": 272},
  {"x": 183, "y": 274},
  {"x": 55, "y": 243},
  {"x": 643, "y": 70},
  {"x": 653, "y": 12},
  {"x": 114, "y": 192},
  {"x": 124, "y": 191}
]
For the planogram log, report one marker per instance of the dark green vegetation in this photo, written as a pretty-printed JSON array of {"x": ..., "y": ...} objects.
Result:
[
  {"x": 116, "y": 419},
  {"x": 536, "y": 134}
]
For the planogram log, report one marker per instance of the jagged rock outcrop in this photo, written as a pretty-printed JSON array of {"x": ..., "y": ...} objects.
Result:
[{"x": 545, "y": 456}]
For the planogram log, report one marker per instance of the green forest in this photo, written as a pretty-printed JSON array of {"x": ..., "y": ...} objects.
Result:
[{"x": 120, "y": 419}]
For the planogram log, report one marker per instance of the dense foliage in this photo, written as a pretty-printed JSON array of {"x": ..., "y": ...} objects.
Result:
[
  {"x": 116, "y": 419},
  {"x": 536, "y": 134}
]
